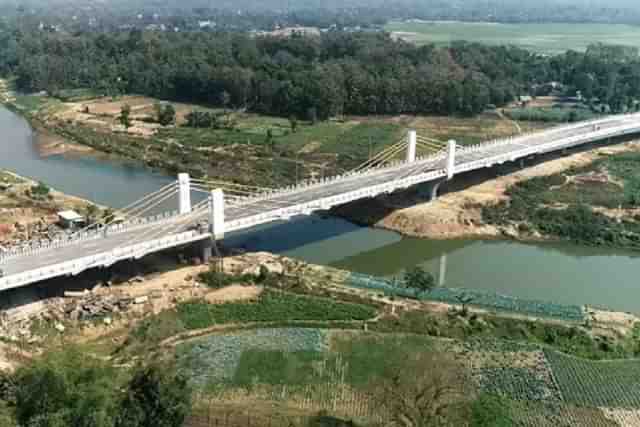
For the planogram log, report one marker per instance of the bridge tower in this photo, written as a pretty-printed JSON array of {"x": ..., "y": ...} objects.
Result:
[
  {"x": 216, "y": 228},
  {"x": 216, "y": 214},
  {"x": 411, "y": 146},
  {"x": 451, "y": 158},
  {"x": 184, "y": 193}
]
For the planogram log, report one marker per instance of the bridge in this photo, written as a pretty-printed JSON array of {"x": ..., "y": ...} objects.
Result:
[{"x": 233, "y": 207}]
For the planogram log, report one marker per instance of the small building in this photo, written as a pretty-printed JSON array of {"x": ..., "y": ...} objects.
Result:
[{"x": 70, "y": 219}]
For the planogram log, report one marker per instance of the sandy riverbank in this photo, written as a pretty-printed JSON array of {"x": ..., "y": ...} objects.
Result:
[{"x": 458, "y": 214}]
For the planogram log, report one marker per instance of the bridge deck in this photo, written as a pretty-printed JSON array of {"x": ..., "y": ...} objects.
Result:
[{"x": 307, "y": 196}]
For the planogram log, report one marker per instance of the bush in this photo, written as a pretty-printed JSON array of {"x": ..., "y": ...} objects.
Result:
[
  {"x": 66, "y": 389},
  {"x": 272, "y": 306},
  {"x": 490, "y": 411},
  {"x": 157, "y": 396}
]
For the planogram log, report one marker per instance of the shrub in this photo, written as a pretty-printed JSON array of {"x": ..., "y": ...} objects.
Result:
[
  {"x": 490, "y": 411},
  {"x": 272, "y": 306},
  {"x": 66, "y": 389},
  {"x": 157, "y": 396}
]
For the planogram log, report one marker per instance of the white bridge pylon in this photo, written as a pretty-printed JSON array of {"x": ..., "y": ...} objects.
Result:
[{"x": 131, "y": 232}]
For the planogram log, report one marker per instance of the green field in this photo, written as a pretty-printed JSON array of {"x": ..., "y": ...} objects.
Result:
[{"x": 542, "y": 38}]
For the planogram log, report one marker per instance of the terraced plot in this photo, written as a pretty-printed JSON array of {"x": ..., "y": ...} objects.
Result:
[{"x": 612, "y": 384}]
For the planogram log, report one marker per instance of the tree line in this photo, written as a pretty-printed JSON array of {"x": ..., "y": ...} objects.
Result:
[{"x": 310, "y": 77}]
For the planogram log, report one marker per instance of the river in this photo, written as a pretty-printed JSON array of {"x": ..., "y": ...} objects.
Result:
[{"x": 563, "y": 273}]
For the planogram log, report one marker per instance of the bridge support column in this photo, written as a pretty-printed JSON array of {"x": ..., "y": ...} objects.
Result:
[
  {"x": 411, "y": 146},
  {"x": 521, "y": 162},
  {"x": 207, "y": 250},
  {"x": 429, "y": 190},
  {"x": 451, "y": 158},
  {"x": 216, "y": 214},
  {"x": 184, "y": 193}
]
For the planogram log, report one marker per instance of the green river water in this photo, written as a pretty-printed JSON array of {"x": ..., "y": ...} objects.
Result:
[{"x": 562, "y": 273}]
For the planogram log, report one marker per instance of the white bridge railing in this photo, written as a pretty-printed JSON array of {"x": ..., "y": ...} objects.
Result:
[
  {"x": 401, "y": 174},
  {"x": 102, "y": 259},
  {"x": 43, "y": 245}
]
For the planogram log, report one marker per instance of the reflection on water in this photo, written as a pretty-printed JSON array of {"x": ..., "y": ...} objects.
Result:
[
  {"x": 562, "y": 273},
  {"x": 95, "y": 177}
]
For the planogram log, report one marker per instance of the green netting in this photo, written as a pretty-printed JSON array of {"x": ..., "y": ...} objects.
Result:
[{"x": 488, "y": 300}]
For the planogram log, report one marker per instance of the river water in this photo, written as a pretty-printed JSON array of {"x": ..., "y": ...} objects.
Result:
[{"x": 563, "y": 273}]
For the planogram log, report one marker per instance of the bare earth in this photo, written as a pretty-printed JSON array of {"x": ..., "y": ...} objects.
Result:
[{"x": 457, "y": 215}]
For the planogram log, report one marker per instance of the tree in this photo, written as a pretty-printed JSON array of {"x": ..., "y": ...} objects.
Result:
[
  {"x": 66, "y": 389},
  {"x": 91, "y": 212},
  {"x": 40, "y": 191},
  {"x": 419, "y": 280},
  {"x": 293, "y": 122},
  {"x": 124, "y": 117},
  {"x": 270, "y": 140},
  {"x": 157, "y": 396},
  {"x": 464, "y": 299},
  {"x": 167, "y": 115},
  {"x": 425, "y": 390}
]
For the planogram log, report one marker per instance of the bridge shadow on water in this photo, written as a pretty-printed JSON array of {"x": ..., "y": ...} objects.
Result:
[{"x": 334, "y": 240}]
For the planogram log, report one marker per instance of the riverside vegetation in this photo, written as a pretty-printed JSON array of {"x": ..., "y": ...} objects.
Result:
[
  {"x": 592, "y": 205},
  {"x": 320, "y": 349}
]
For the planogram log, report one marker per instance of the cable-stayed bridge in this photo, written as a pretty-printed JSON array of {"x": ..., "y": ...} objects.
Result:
[{"x": 231, "y": 207}]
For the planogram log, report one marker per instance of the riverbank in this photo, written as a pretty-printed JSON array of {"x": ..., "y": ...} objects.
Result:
[
  {"x": 297, "y": 331},
  {"x": 459, "y": 214},
  {"x": 241, "y": 146},
  {"x": 28, "y": 209}
]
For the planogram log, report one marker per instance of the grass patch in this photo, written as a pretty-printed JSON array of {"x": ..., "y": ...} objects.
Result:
[
  {"x": 568, "y": 339},
  {"x": 549, "y": 38},
  {"x": 372, "y": 357},
  {"x": 275, "y": 367},
  {"x": 272, "y": 306},
  {"x": 76, "y": 95},
  {"x": 30, "y": 103},
  {"x": 550, "y": 115}
]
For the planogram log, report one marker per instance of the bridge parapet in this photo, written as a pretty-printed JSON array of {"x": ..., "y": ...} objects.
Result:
[
  {"x": 106, "y": 258},
  {"x": 39, "y": 246}
]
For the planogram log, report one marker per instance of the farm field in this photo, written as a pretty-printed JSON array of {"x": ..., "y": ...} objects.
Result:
[
  {"x": 308, "y": 369},
  {"x": 542, "y": 38},
  {"x": 249, "y": 148}
]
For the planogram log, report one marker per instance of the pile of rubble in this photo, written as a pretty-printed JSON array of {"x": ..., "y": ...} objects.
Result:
[{"x": 95, "y": 306}]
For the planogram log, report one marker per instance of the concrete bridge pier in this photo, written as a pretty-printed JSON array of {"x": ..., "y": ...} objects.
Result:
[
  {"x": 216, "y": 224},
  {"x": 429, "y": 190},
  {"x": 206, "y": 249}
]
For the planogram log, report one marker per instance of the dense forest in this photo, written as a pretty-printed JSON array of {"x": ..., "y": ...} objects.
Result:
[{"x": 308, "y": 77}]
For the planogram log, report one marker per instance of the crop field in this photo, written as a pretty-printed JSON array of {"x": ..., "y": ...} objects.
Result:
[
  {"x": 310, "y": 369},
  {"x": 613, "y": 384},
  {"x": 544, "y": 38},
  {"x": 314, "y": 369},
  {"x": 271, "y": 306},
  {"x": 263, "y": 355}
]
